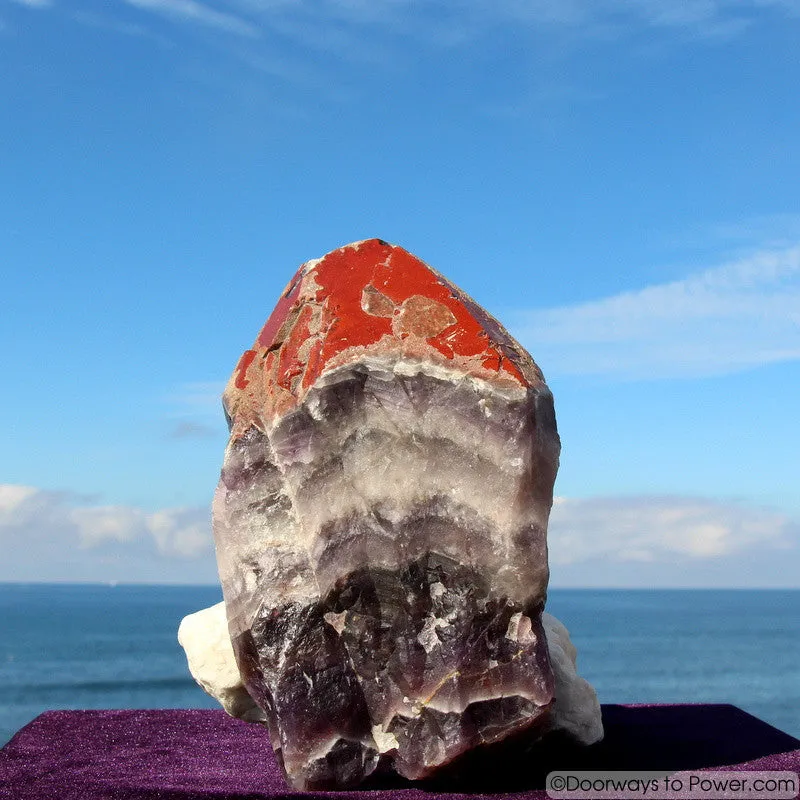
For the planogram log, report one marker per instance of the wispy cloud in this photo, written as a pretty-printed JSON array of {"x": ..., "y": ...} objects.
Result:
[
  {"x": 763, "y": 231},
  {"x": 659, "y": 529},
  {"x": 300, "y": 43},
  {"x": 61, "y": 532},
  {"x": 470, "y": 18},
  {"x": 454, "y": 23},
  {"x": 108, "y": 23},
  {"x": 726, "y": 319},
  {"x": 199, "y": 13},
  {"x": 34, "y": 3}
]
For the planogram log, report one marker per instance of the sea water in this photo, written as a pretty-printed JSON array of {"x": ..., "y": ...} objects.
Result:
[{"x": 81, "y": 646}]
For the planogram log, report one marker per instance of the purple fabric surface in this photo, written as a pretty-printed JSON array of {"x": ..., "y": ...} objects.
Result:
[{"x": 182, "y": 754}]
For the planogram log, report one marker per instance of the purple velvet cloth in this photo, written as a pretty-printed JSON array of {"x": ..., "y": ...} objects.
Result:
[{"x": 182, "y": 754}]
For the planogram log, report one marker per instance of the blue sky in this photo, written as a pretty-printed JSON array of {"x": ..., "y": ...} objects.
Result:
[{"x": 615, "y": 180}]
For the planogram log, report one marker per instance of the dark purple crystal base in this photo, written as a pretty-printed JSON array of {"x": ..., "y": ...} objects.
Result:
[{"x": 178, "y": 755}]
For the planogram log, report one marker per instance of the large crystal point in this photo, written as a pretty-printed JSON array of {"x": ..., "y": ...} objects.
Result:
[{"x": 381, "y": 522}]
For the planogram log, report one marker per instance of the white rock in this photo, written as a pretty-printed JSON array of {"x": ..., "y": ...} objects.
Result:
[
  {"x": 205, "y": 639},
  {"x": 576, "y": 708}
]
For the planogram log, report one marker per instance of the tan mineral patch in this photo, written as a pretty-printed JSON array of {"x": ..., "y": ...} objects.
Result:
[
  {"x": 422, "y": 316},
  {"x": 376, "y": 303}
]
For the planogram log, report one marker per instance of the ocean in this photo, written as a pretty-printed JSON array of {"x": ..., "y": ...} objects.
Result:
[{"x": 82, "y": 646}]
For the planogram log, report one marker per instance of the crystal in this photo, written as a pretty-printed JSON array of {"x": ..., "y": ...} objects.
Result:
[{"x": 381, "y": 523}]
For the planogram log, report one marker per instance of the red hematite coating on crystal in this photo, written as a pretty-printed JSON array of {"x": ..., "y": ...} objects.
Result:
[
  {"x": 241, "y": 368},
  {"x": 371, "y": 296},
  {"x": 281, "y": 310}
]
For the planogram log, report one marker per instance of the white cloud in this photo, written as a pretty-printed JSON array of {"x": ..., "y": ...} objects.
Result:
[
  {"x": 56, "y": 536},
  {"x": 181, "y": 532},
  {"x": 730, "y": 318},
  {"x": 661, "y": 529},
  {"x": 23, "y": 506},
  {"x": 34, "y": 3},
  {"x": 60, "y": 527},
  {"x": 95, "y": 525},
  {"x": 12, "y": 499}
]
